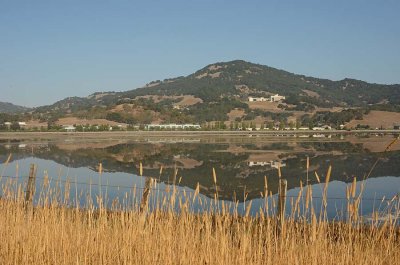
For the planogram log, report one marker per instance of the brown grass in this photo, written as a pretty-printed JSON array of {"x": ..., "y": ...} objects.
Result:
[
  {"x": 267, "y": 106},
  {"x": 376, "y": 119},
  {"x": 188, "y": 100},
  {"x": 35, "y": 124},
  {"x": 311, "y": 93},
  {"x": 235, "y": 113},
  {"x": 77, "y": 121},
  {"x": 55, "y": 232}
]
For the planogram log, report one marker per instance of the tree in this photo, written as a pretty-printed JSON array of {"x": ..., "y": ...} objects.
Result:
[
  {"x": 145, "y": 117},
  {"x": 281, "y": 125},
  {"x": 222, "y": 125}
]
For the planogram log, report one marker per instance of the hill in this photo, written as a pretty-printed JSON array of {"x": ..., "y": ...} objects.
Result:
[
  {"x": 214, "y": 92},
  {"x": 6, "y": 107},
  {"x": 238, "y": 78}
]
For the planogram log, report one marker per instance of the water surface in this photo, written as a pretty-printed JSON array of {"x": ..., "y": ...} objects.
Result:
[{"x": 241, "y": 165}]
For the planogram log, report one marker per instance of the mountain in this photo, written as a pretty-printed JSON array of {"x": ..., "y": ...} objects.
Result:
[
  {"x": 229, "y": 79},
  {"x": 6, "y": 107},
  {"x": 214, "y": 91}
]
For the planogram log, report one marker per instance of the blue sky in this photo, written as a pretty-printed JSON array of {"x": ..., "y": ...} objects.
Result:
[{"x": 54, "y": 49}]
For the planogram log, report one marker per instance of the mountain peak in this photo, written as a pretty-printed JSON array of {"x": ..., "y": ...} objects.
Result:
[
  {"x": 6, "y": 107},
  {"x": 213, "y": 91}
]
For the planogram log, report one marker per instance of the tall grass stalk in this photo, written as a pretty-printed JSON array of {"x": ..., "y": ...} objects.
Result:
[{"x": 60, "y": 231}]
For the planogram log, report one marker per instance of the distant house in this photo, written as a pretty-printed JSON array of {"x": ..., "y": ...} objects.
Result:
[
  {"x": 277, "y": 98},
  {"x": 322, "y": 128},
  {"x": 258, "y": 163},
  {"x": 304, "y": 128},
  {"x": 172, "y": 126},
  {"x": 272, "y": 164},
  {"x": 257, "y": 99},
  {"x": 69, "y": 128},
  {"x": 274, "y": 98},
  {"x": 22, "y": 124},
  {"x": 277, "y": 164},
  {"x": 7, "y": 124}
]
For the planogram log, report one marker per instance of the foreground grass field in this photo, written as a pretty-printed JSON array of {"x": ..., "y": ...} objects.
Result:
[{"x": 55, "y": 232}]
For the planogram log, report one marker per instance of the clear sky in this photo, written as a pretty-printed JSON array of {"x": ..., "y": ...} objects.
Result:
[{"x": 50, "y": 50}]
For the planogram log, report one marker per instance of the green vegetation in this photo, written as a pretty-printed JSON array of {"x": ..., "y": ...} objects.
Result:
[
  {"x": 233, "y": 171},
  {"x": 6, "y": 107},
  {"x": 166, "y": 228},
  {"x": 208, "y": 86},
  {"x": 334, "y": 119},
  {"x": 222, "y": 87}
]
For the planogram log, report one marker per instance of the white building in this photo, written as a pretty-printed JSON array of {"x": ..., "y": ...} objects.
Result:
[
  {"x": 277, "y": 98},
  {"x": 172, "y": 126},
  {"x": 322, "y": 128},
  {"x": 277, "y": 164},
  {"x": 69, "y": 128},
  {"x": 258, "y": 163},
  {"x": 257, "y": 99},
  {"x": 7, "y": 124},
  {"x": 272, "y": 164}
]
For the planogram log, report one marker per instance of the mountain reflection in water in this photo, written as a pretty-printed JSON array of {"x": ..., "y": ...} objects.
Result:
[{"x": 240, "y": 163}]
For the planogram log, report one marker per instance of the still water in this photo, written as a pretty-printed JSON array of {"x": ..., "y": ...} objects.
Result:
[{"x": 241, "y": 164}]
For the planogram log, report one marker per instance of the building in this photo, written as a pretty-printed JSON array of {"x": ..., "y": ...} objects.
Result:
[
  {"x": 322, "y": 128},
  {"x": 258, "y": 163},
  {"x": 258, "y": 99},
  {"x": 172, "y": 126},
  {"x": 7, "y": 124},
  {"x": 272, "y": 164},
  {"x": 277, "y": 164},
  {"x": 276, "y": 98},
  {"x": 69, "y": 128}
]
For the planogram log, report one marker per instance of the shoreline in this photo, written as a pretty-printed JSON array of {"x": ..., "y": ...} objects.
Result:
[{"x": 130, "y": 134}]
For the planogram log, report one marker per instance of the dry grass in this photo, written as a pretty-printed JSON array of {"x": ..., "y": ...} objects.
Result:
[
  {"x": 267, "y": 106},
  {"x": 188, "y": 100},
  {"x": 311, "y": 93},
  {"x": 235, "y": 113},
  {"x": 57, "y": 232},
  {"x": 77, "y": 121},
  {"x": 376, "y": 119}
]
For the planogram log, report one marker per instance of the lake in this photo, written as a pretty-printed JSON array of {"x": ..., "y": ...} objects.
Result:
[{"x": 241, "y": 164}]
